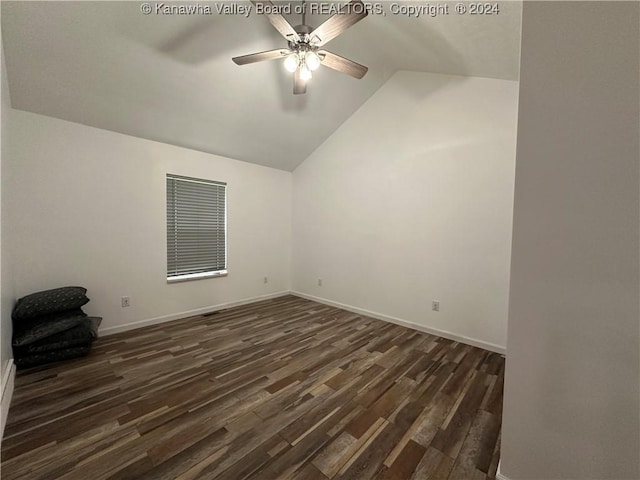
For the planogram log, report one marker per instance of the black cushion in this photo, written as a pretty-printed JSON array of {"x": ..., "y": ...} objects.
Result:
[
  {"x": 49, "y": 301},
  {"x": 29, "y": 331},
  {"x": 81, "y": 334},
  {"x": 52, "y": 356}
]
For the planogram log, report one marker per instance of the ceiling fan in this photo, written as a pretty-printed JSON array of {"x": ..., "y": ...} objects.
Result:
[{"x": 303, "y": 54}]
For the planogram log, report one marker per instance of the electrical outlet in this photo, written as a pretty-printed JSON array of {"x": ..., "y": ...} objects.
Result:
[
  {"x": 435, "y": 306},
  {"x": 125, "y": 301},
  {"x": 266, "y": 280},
  {"x": 319, "y": 282}
]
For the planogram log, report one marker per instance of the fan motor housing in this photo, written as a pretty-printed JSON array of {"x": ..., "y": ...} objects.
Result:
[{"x": 303, "y": 29}]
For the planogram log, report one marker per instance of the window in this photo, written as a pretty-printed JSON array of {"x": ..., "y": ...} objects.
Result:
[{"x": 196, "y": 228}]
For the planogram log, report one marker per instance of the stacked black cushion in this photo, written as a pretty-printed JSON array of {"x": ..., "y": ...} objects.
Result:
[{"x": 50, "y": 326}]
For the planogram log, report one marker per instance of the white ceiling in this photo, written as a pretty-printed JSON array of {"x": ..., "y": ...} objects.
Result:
[{"x": 171, "y": 78}]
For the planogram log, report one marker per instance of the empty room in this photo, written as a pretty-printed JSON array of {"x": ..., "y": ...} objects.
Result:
[{"x": 320, "y": 240}]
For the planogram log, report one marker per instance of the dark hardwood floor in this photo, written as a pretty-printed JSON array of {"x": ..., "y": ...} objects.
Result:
[{"x": 285, "y": 388}]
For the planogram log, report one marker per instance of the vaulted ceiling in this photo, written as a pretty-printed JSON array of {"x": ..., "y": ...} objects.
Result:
[{"x": 170, "y": 78}]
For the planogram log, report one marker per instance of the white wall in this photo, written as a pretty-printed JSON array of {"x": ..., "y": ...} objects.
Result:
[
  {"x": 572, "y": 378},
  {"x": 88, "y": 207},
  {"x": 411, "y": 200}
]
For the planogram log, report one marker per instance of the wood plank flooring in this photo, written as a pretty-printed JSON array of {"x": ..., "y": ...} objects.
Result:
[{"x": 285, "y": 388}]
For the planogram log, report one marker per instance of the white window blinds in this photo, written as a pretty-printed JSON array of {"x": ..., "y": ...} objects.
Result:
[{"x": 196, "y": 228}]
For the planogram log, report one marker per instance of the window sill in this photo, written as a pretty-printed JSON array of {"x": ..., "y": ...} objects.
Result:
[{"x": 196, "y": 276}]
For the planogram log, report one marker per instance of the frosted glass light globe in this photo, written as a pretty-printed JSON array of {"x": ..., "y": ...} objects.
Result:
[
  {"x": 305, "y": 73},
  {"x": 312, "y": 60},
  {"x": 291, "y": 62}
]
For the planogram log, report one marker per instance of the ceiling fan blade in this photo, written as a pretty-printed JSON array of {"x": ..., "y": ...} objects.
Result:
[
  {"x": 261, "y": 57},
  {"x": 342, "y": 64},
  {"x": 348, "y": 15},
  {"x": 278, "y": 21},
  {"x": 299, "y": 85}
]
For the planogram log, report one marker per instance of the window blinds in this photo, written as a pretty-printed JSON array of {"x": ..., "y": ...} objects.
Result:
[{"x": 196, "y": 227}]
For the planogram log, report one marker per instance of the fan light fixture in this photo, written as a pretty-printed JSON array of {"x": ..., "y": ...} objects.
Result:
[
  {"x": 304, "y": 53},
  {"x": 291, "y": 62},
  {"x": 306, "y": 61},
  {"x": 305, "y": 73},
  {"x": 312, "y": 60}
]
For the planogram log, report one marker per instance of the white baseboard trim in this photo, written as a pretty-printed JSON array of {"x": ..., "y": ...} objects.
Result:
[
  {"x": 176, "y": 316},
  {"x": 398, "y": 321},
  {"x": 500, "y": 476},
  {"x": 212, "y": 308},
  {"x": 8, "y": 378}
]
